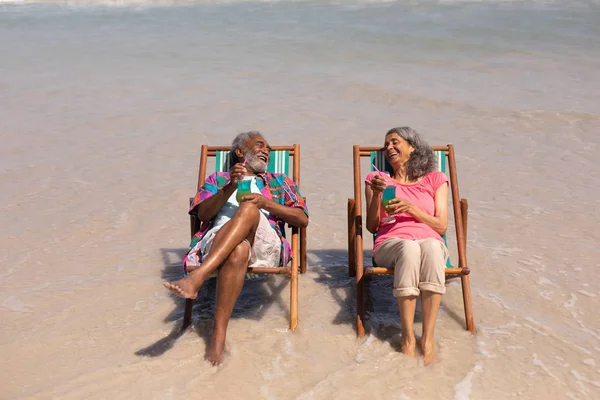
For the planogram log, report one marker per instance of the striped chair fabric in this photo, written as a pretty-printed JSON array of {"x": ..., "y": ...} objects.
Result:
[
  {"x": 378, "y": 159},
  {"x": 279, "y": 162}
]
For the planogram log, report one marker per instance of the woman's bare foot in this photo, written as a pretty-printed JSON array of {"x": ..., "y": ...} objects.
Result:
[
  {"x": 182, "y": 288},
  {"x": 408, "y": 345},
  {"x": 428, "y": 349},
  {"x": 216, "y": 351}
]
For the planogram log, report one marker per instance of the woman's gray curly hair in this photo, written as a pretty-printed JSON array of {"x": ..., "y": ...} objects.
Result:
[
  {"x": 422, "y": 160},
  {"x": 240, "y": 143}
]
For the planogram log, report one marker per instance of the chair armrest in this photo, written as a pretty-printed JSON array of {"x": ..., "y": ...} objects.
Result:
[
  {"x": 195, "y": 222},
  {"x": 351, "y": 238}
]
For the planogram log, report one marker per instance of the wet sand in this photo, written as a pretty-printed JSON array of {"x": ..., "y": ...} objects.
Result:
[{"x": 102, "y": 114}]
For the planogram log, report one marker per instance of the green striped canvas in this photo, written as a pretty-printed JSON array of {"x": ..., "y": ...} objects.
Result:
[
  {"x": 223, "y": 161},
  {"x": 378, "y": 159},
  {"x": 279, "y": 162}
]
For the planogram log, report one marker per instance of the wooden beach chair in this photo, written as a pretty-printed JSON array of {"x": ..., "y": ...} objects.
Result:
[
  {"x": 355, "y": 231},
  {"x": 279, "y": 163}
]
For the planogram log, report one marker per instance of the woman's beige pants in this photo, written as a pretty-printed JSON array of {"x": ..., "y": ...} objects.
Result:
[{"x": 418, "y": 265}]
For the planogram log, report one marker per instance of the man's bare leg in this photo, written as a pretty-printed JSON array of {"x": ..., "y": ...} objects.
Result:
[
  {"x": 430, "y": 303},
  {"x": 229, "y": 285},
  {"x": 242, "y": 226},
  {"x": 407, "y": 306}
]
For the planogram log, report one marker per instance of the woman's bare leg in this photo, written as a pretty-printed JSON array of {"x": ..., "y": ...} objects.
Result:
[
  {"x": 430, "y": 303},
  {"x": 407, "y": 306}
]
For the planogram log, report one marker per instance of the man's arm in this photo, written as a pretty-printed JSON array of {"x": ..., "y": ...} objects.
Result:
[
  {"x": 293, "y": 216},
  {"x": 207, "y": 209},
  {"x": 293, "y": 211},
  {"x": 290, "y": 215}
]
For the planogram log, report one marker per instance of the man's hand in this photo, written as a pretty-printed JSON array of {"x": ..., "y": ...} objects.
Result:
[
  {"x": 398, "y": 206},
  {"x": 258, "y": 200},
  {"x": 237, "y": 173}
]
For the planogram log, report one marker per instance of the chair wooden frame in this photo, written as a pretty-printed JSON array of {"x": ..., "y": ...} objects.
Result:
[
  {"x": 355, "y": 238},
  {"x": 298, "y": 239}
]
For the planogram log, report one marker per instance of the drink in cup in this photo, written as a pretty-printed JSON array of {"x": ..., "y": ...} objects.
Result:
[
  {"x": 243, "y": 189},
  {"x": 388, "y": 195}
]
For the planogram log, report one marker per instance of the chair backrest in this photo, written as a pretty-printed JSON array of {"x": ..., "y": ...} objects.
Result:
[
  {"x": 279, "y": 161},
  {"x": 378, "y": 159},
  {"x": 283, "y": 160}
]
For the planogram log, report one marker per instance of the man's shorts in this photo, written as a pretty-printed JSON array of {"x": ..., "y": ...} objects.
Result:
[{"x": 265, "y": 252}]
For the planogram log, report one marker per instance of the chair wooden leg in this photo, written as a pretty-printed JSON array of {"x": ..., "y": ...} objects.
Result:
[
  {"x": 464, "y": 279},
  {"x": 294, "y": 302},
  {"x": 466, "y": 289},
  {"x": 294, "y": 283},
  {"x": 360, "y": 306},
  {"x": 303, "y": 264},
  {"x": 187, "y": 314}
]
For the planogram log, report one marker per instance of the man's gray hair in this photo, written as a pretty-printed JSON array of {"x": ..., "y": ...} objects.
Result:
[
  {"x": 422, "y": 160},
  {"x": 240, "y": 143}
]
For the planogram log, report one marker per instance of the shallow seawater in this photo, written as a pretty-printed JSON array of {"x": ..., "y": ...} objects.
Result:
[{"x": 104, "y": 107}]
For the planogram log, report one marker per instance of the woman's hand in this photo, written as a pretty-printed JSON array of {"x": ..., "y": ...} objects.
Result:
[
  {"x": 378, "y": 184},
  {"x": 399, "y": 206},
  {"x": 237, "y": 172}
]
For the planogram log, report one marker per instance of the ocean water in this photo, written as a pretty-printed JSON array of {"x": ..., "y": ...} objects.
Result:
[{"x": 103, "y": 109}]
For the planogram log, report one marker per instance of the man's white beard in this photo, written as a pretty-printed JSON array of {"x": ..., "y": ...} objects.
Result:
[{"x": 257, "y": 165}]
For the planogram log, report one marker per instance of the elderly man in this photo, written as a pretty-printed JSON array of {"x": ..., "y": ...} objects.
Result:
[{"x": 235, "y": 235}]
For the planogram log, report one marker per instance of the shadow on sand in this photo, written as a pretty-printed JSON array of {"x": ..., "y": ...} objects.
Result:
[
  {"x": 381, "y": 308},
  {"x": 260, "y": 294},
  {"x": 257, "y": 297},
  {"x": 382, "y": 317}
]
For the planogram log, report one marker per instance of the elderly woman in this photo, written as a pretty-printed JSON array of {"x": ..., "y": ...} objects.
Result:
[{"x": 412, "y": 242}]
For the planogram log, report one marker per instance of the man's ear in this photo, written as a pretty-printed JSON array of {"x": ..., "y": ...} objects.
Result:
[{"x": 239, "y": 153}]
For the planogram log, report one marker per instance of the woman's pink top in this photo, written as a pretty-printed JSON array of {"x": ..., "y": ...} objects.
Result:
[{"x": 422, "y": 195}]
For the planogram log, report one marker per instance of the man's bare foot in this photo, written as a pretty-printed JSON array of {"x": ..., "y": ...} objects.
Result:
[
  {"x": 182, "y": 288},
  {"x": 428, "y": 349},
  {"x": 216, "y": 351},
  {"x": 191, "y": 268},
  {"x": 408, "y": 345}
]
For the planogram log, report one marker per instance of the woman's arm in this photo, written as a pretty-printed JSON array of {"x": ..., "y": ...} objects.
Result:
[
  {"x": 373, "y": 192},
  {"x": 438, "y": 222}
]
